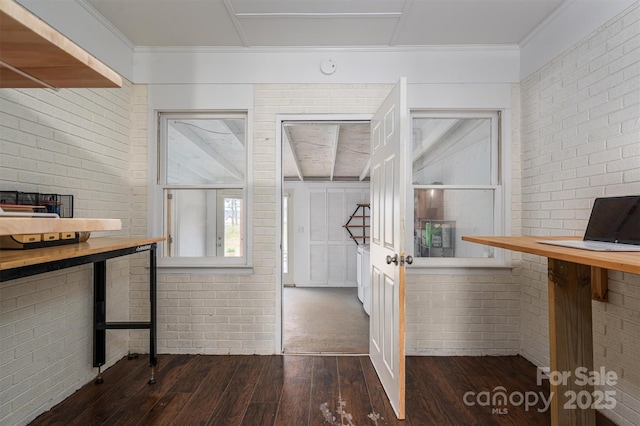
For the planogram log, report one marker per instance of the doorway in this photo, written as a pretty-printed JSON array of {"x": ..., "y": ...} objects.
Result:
[{"x": 324, "y": 175}]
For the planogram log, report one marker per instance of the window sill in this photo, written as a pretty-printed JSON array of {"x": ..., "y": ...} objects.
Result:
[
  {"x": 458, "y": 270},
  {"x": 168, "y": 268},
  {"x": 439, "y": 266}
]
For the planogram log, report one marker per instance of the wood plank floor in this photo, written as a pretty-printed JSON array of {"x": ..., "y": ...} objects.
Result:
[{"x": 299, "y": 390}]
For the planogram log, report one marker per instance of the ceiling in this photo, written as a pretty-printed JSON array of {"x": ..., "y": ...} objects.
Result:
[
  {"x": 321, "y": 151},
  {"x": 322, "y": 23},
  {"x": 325, "y": 151}
]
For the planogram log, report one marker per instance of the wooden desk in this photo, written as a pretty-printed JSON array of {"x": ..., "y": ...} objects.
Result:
[
  {"x": 575, "y": 277},
  {"x": 24, "y": 263}
]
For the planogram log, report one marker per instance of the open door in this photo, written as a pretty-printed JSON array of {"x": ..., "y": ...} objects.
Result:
[{"x": 389, "y": 134}]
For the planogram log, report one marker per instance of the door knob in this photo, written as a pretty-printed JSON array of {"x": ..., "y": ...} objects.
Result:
[
  {"x": 409, "y": 259},
  {"x": 393, "y": 259}
]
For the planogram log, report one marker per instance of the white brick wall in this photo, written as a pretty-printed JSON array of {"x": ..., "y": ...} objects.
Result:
[
  {"x": 462, "y": 314},
  {"x": 67, "y": 142},
  {"x": 577, "y": 139},
  {"x": 470, "y": 313},
  {"x": 580, "y": 140},
  {"x": 219, "y": 314}
]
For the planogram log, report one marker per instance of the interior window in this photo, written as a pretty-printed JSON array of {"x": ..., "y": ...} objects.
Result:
[
  {"x": 203, "y": 175},
  {"x": 456, "y": 188}
]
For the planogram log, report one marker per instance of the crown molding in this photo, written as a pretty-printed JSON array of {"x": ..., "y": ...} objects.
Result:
[
  {"x": 334, "y": 49},
  {"x": 105, "y": 23}
]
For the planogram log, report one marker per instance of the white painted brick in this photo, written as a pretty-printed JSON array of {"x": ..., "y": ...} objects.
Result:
[
  {"x": 47, "y": 317},
  {"x": 608, "y": 159}
]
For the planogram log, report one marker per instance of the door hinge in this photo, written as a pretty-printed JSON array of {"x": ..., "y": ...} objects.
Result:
[
  {"x": 169, "y": 196},
  {"x": 169, "y": 239}
]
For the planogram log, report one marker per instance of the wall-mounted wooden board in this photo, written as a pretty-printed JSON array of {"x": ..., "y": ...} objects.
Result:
[{"x": 33, "y": 47}]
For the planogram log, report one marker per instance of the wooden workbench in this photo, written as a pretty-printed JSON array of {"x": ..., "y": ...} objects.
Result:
[
  {"x": 23, "y": 263},
  {"x": 575, "y": 278}
]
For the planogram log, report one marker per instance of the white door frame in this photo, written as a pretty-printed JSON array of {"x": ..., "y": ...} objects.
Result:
[
  {"x": 279, "y": 193},
  {"x": 288, "y": 277}
]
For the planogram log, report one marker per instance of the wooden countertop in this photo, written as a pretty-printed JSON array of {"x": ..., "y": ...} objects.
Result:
[
  {"x": 618, "y": 261},
  {"x": 10, "y": 259},
  {"x": 41, "y": 225}
]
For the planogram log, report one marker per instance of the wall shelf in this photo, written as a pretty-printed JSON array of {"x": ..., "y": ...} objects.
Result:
[
  {"x": 35, "y": 55},
  {"x": 360, "y": 229}
]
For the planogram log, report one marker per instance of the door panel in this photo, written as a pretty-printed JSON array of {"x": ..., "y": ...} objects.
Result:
[
  {"x": 389, "y": 201},
  {"x": 390, "y": 325},
  {"x": 386, "y": 349},
  {"x": 375, "y": 307}
]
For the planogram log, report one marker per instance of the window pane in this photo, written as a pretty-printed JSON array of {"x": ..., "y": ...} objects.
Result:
[
  {"x": 443, "y": 216},
  {"x": 285, "y": 234},
  {"x": 204, "y": 151},
  {"x": 451, "y": 151},
  {"x": 233, "y": 226},
  {"x": 204, "y": 223}
]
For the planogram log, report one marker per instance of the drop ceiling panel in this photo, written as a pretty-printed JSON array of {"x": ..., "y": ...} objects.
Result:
[
  {"x": 315, "y": 6},
  {"x": 313, "y": 23},
  {"x": 453, "y": 22},
  {"x": 318, "y": 31},
  {"x": 171, "y": 23}
]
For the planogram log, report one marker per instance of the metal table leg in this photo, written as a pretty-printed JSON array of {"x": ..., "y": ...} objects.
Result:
[
  {"x": 99, "y": 316},
  {"x": 100, "y": 324},
  {"x": 153, "y": 346}
]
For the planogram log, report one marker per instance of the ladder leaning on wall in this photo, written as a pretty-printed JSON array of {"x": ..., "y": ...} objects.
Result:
[{"x": 361, "y": 214}]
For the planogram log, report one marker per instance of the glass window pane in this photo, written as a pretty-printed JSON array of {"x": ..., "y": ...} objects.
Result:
[
  {"x": 233, "y": 226},
  {"x": 285, "y": 234},
  {"x": 451, "y": 151},
  {"x": 443, "y": 216},
  {"x": 204, "y": 223},
  {"x": 203, "y": 151}
]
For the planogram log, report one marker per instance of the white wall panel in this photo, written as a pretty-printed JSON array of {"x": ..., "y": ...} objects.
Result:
[
  {"x": 289, "y": 66},
  {"x": 317, "y": 216},
  {"x": 336, "y": 215},
  {"x": 320, "y": 210}
]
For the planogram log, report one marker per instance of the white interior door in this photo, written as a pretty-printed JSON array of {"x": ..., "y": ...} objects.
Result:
[{"x": 389, "y": 134}]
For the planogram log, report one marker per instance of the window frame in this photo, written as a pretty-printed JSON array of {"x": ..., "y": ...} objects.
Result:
[
  {"x": 160, "y": 186},
  {"x": 500, "y": 185}
]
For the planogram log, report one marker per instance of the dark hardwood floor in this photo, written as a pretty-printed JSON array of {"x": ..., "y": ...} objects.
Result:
[{"x": 302, "y": 390}]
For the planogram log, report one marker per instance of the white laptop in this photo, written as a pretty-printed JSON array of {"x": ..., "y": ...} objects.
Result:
[{"x": 614, "y": 225}]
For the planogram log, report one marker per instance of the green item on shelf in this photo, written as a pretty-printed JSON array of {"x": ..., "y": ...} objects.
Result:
[
  {"x": 436, "y": 236},
  {"x": 427, "y": 234}
]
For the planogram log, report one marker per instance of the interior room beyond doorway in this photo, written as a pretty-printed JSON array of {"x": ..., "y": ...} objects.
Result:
[
  {"x": 325, "y": 177},
  {"x": 324, "y": 321}
]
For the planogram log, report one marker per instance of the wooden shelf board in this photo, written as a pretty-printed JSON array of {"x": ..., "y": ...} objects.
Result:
[{"x": 32, "y": 46}]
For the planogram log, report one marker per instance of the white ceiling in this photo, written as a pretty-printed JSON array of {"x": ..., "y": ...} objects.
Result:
[
  {"x": 323, "y": 23},
  {"x": 322, "y": 151}
]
